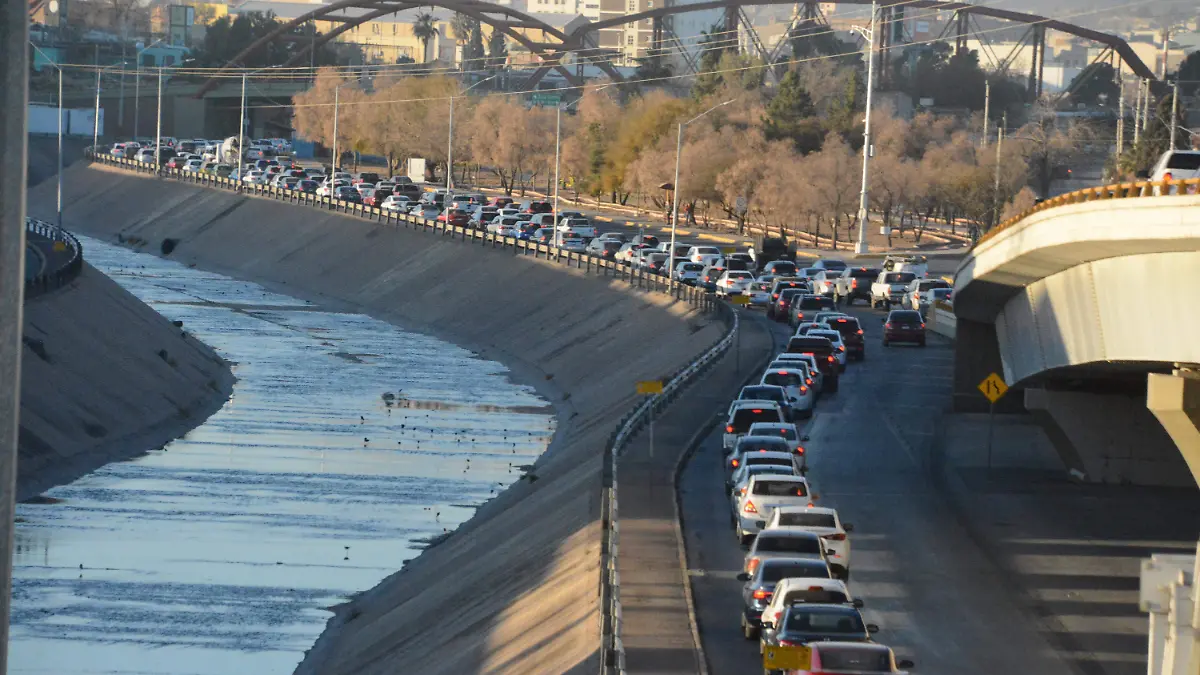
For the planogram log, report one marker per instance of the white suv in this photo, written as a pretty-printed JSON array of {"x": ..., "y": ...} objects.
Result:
[
  {"x": 764, "y": 495},
  {"x": 743, "y": 413},
  {"x": 801, "y": 397},
  {"x": 825, "y": 523}
]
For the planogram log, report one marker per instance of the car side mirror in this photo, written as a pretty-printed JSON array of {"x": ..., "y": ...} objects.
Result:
[
  {"x": 742, "y": 576},
  {"x": 872, "y": 628},
  {"x": 905, "y": 664},
  {"x": 858, "y": 603},
  {"x": 830, "y": 552},
  {"x": 847, "y": 527}
]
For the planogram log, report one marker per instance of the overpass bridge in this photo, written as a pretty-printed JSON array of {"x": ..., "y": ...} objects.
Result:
[{"x": 1090, "y": 304}]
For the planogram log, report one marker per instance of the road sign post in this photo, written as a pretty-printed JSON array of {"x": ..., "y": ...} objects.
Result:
[
  {"x": 993, "y": 388},
  {"x": 650, "y": 388}
]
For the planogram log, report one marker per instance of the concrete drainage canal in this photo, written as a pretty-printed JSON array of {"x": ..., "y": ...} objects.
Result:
[{"x": 348, "y": 446}]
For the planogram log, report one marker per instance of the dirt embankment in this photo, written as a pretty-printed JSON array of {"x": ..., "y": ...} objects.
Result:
[
  {"x": 514, "y": 590},
  {"x": 105, "y": 378}
]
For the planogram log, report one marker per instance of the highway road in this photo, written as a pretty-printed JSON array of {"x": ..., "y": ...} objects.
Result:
[{"x": 937, "y": 597}]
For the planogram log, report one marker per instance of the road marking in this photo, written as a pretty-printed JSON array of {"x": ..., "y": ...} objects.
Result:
[
  {"x": 604, "y": 219},
  {"x": 714, "y": 574},
  {"x": 713, "y": 237}
]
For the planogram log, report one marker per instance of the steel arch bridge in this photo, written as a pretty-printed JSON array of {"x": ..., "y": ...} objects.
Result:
[{"x": 552, "y": 55}]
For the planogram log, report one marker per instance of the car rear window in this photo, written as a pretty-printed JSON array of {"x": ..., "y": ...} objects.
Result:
[
  {"x": 807, "y": 520},
  {"x": 809, "y": 345},
  {"x": 763, "y": 445},
  {"x": 740, "y": 275},
  {"x": 811, "y": 302},
  {"x": 611, "y": 245},
  {"x": 816, "y": 596},
  {"x": 742, "y": 419},
  {"x": 768, "y": 393},
  {"x": 788, "y": 293},
  {"x": 780, "y": 488},
  {"x": 774, "y": 570},
  {"x": 858, "y": 659},
  {"x": 755, "y": 459},
  {"x": 837, "y": 265},
  {"x": 788, "y": 433},
  {"x": 802, "y": 620},
  {"x": 783, "y": 268},
  {"x": 1188, "y": 161},
  {"x": 906, "y": 316},
  {"x": 783, "y": 379},
  {"x": 777, "y": 543},
  {"x": 899, "y": 278}
]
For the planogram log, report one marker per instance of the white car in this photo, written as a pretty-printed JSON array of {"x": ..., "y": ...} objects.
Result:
[
  {"x": 760, "y": 293},
  {"x": 743, "y": 413},
  {"x": 933, "y": 295},
  {"x": 579, "y": 227},
  {"x": 507, "y": 229},
  {"x": 253, "y": 176},
  {"x": 825, "y": 281},
  {"x": 688, "y": 272},
  {"x": 912, "y": 296},
  {"x": 785, "y": 430},
  {"x": 792, "y": 590},
  {"x": 763, "y": 495},
  {"x": 734, "y": 282},
  {"x": 839, "y": 345},
  {"x": 825, "y": 523},
  {"x": 1176, "y": 165},
  {"x": 703, "y": 254},
  {"x": 395, "y": 203},
  {"x": 192, "y": 165},
  {"x": 794, "y": 381},
  {"x": 814, "y": 371},
  {"x": 772, "y": 463}
]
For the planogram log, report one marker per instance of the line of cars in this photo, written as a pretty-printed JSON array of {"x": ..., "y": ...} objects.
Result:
[{"x": 796, "y": 599}]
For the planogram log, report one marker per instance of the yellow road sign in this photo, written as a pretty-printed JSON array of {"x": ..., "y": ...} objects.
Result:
[
  {"x": 787, "y": 658},
  {"x": 739, "y": 299},
  {"x": 993, "y": 387},
  {"x": 650, "y": 387}
]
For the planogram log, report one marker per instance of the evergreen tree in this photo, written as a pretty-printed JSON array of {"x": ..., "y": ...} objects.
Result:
[
  {"x": 497, "y": 49},
  {"x": 791, "y": 115},
  {"x": 474, "y": 53}
]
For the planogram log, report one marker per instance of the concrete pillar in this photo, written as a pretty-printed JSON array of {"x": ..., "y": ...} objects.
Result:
[
  {"x": 1108, "y": 438},
  {"x": 1175, "y": 400},
  {"x": 977, "y": 355}
]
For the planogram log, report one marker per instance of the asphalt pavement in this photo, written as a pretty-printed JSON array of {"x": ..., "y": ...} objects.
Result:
[{"x": 938, "y": 597}]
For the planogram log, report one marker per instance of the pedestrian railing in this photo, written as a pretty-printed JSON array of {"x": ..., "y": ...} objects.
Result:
[
  {"x": 1132, "y": 190},
  {"x": 58, "y": 272},
  {"x": 612, "y": 649}
]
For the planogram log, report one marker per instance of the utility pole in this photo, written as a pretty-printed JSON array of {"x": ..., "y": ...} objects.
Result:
[
  {"x": 158, "y": 127},
  {"x": 1146, "y": 107},
  {"x": 987, "y": 104},
  {"x": 121, "y": 98},
  {"x": 1137, "y": 113},
  {"x": 1120, "y": 114},
  {"x": 96, "y": 113},
  {"x": 863, "y": 216},
  {"x": 14, "y": 102},
  {"x": 1174, "y": 113},
  {"x": 334, "y": 162},
  {"x": 450, "y": 159},
  {"x": 996, "y": 187},
  {"x": 242, "y": 126}
]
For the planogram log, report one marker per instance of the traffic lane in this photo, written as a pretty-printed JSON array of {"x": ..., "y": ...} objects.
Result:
[{"x": 936, "y": 597}]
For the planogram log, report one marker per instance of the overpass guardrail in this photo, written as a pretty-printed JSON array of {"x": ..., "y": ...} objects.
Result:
[
  {"x": 612, "y": 650},
  {"x": 1130, "y": 190},
  {"x": 57, "y": 273}
]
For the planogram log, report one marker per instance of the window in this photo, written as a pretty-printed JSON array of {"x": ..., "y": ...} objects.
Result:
[
  {"x": 375, "y": 28},
  {"x": 629, "y": 39},
  {"x": 633, "y": 5}
]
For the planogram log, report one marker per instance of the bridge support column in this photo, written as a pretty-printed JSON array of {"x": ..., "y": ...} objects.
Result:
[
  {"x": 977, "y": 355},
  {"x": 1108, "y": 438},
  {"x": 1175, "y": 400}
]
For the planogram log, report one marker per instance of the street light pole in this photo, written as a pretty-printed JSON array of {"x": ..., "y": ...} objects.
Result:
[
  {"x": 861, "y": 246},
  {"x": 242, "y": 128},
  {"x": 333, "y": 166},
  {"x": 557, "y": 144},
  {"x": 1174, "y": 112},
  {"x": 158, "y": 127},
  {"x": 675, "y": 189},
  {"x": 60, "y": 151},
  {"x": 96, "y": 113}
]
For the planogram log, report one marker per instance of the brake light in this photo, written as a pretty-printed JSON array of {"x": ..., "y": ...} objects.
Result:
[
  {"x": 756, "y": 412},
  {"x": 854, "y": 283},
  {"x": 836, "y": 537},
  {"x": 799, "y": 449},
  {"x": 750, "y": 508},
  {"x": 808, "y": 381},
  {"x": 729, "y": 428},
  {"x": 803, "y": 389},
  {"x": 734, "y": 463},
  {"x": 1168, "y": 176},
  {"x": 761, "y": 594},
  {"x": 887, "y": 325},
  {"x": 831, "y": 358},
  {"x": 842, "y": 349},
  {"x": 789, "y": 643},
  {"x": 860, "y": 331},
  {"x": 752, "y": 565}
]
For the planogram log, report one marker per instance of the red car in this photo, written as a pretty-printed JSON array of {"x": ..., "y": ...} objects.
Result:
[
  {"x": 904, "y": 325},
  {"x": 456, "y": 217}
]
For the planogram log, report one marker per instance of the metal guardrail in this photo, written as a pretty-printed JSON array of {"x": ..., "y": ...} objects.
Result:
[
  {"x": 64, "y": 273},
  {"x": 1134, "y": 190},
  {"x": 612, "y": 650}
]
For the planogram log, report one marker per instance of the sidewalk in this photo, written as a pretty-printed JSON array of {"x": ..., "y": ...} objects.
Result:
[{"x": 657, "y": 627}]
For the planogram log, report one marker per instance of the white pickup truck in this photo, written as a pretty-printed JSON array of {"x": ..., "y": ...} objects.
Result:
[{"x": 889, "y": 288}]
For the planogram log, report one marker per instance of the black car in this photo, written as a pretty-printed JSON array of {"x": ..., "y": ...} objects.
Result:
[
  {"x": 309, "y": 186},
  {"x": 852, "y": 335},
  {"x": 822, "y": 350},
  {"x": 803, "y": 623},
  {"x": 769, "y": 392},
  {"x": 781, "y": 307},
  {"x": 778, "y": 287},
  {"x": 760, "y": 586}
]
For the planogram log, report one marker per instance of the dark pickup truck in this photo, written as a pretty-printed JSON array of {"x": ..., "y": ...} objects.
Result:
[{"x": 822, "y": 350}]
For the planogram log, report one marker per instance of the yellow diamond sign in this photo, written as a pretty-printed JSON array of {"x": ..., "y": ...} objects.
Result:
[
  {"x": 650, "y": 387},
  {"x": 993, "y": 387}
]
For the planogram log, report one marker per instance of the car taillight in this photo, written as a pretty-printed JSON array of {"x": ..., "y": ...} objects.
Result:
[
  {"x": 854, "y": 283},
  {"x": 803, "y": 389},
  {"x": 799, "y": 315},
  {"x": 752, "y": 565},
  {"x": 842, "y": 349},
  {"x": 922, "y": 325},
  {"x": 734, "y": 463},
  {"x": 860, "y": 331},
  {"x": 831, "y": 358},
  {"x": 1168, "y": 176},
  {"x": 761, "y": 594},
  {"x": 750, "y": 508},
  {"x": 835, "y": 537},
  {"x": 888, "y": 325},
  {"x": 789, "y": 643},
  {"x": 741, "y": 491},
  {"x": 729, "y": 429}
]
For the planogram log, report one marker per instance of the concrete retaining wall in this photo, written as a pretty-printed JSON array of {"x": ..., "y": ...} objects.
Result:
[
  {"x": 514, "y": 590},
  {"x": 106, "y": 378}
]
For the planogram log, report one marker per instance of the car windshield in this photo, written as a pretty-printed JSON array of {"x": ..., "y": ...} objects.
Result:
[
  {"x": 806, "y": 520},
  {"x": 774, "y": 571},
  {"x": 762, "y": 445},
  {"x": 906, "y": 316},
  {"x": 777, "y": 543},
  {"x": 858, "y": 659},
  {"x": 783, "y": 379},
  {"x": 941, "y": 292},
  {"x": 899, "y": 278},
  {"x": 742, "y": 419},
  {"x": 805, "y": 620},
  {"x": 1187, "y": 161},
  {"x": 811, "y": 302},
  {"x": 780, "y": 488}
]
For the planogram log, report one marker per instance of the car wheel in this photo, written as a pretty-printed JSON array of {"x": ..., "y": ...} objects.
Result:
[
  {"x": 921, "y": 343},
  {"x": 749, "y": 630},
  {"x": 885, "y": 342}
]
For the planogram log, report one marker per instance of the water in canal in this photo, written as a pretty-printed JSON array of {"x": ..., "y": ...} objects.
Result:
[{"x": 347, "y": 444}]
